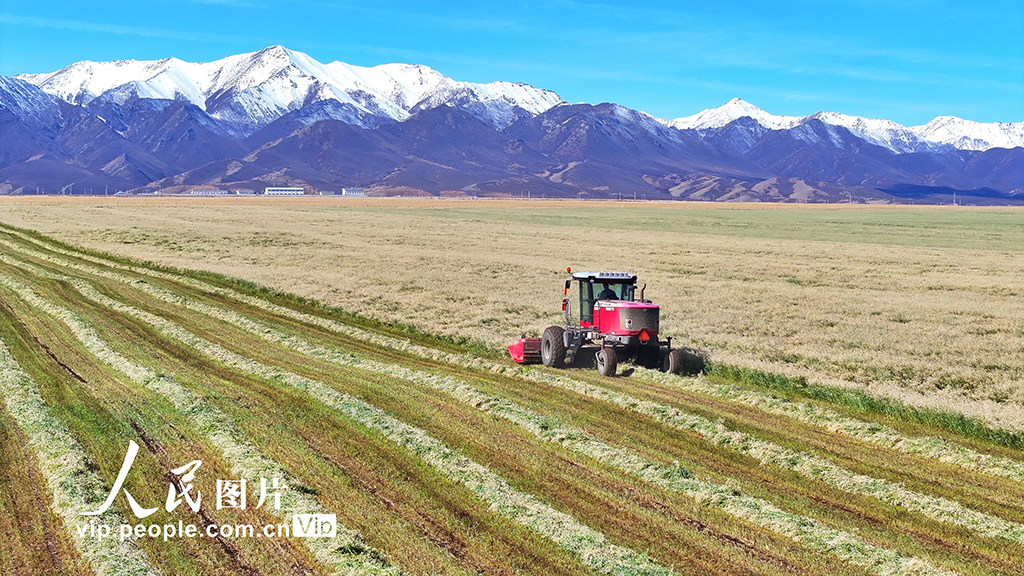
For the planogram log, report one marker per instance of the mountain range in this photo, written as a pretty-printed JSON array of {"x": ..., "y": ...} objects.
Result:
[{"x": 279, "y": 117}]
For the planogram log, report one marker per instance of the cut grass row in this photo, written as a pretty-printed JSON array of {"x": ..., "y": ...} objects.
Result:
[
  {"x": 103, "y": 411},
  {"x": 860, "y": 402},
  {"x": 36, "y": 537},
  {"x": 360, "y": 475},
  {"x": 343, "y": 553}
]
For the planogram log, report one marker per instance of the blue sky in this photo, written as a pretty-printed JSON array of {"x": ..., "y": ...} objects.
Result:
[{"x": 907, "y": 61}]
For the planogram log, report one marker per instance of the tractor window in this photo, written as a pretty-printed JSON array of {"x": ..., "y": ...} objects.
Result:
[
  {"x": 614, "y": 291},
  {"x": 627, "y": 291},
  {"x": 607, "y": 291},
  {"x": 586, "y": 301}
]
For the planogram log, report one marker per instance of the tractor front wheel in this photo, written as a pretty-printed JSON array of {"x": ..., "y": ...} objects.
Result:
[
  {"x": 606, "y": 361},
  {"x": 552, "y": 347}
]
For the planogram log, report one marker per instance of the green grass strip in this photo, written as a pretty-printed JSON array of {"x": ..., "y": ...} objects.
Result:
[
  {"x": 808, "y": 413},
  {"x": 346, "y": 553},
  {"x": 74, "y": 486},
  {"x": 958, "y": 423}
]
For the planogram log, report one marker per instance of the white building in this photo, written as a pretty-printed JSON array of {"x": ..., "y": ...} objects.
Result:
[
  {"x": 283, "y": 191},
  {"x": 356, "y": 192},
  {"x": 208, "y": 192},
  {"x": 245, "y": 192}
]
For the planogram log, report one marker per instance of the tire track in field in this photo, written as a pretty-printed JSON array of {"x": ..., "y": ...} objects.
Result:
[
  {"x": 74, "y": 487},
  {"x": 345, "y": 553},
  {"x": 800, "y": 528},
  {"x": 590, "y": 545},
  {"x": 928, "y": 447},
  {"x": 804, "y": 463}
]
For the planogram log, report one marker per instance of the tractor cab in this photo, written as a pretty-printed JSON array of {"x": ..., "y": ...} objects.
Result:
[{"x": 594, "y": 286}]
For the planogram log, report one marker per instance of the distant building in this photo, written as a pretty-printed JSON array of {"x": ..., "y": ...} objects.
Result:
[
  {"x": 356, "y": 192},
  {"x": 283, "y": 191},
  {"x": 245, "y": 192},
  {"x": 208, "y": 192}
]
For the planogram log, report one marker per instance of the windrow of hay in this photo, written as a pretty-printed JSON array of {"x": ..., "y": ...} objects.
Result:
[
  {"x": 346, "y": 553},
  {"x": 807, "y": 464},
  {"x": 74, "y": 486},
  {"x": 802, "y": 529},
  {"x": 930, "y": 447},
  {"x": 590, "y": 545}
]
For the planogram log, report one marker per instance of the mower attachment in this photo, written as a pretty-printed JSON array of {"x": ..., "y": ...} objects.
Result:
[{"x": 526, "y": 351}]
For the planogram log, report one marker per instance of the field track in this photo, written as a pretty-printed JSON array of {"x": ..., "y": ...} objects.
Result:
[{"x": 439, "y": 459}]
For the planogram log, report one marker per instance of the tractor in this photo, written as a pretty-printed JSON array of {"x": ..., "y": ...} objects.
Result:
[{"x": 609, "y": 313}]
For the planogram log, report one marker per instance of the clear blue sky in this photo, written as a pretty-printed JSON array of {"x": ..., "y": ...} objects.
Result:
[{"x": 904, "y": 60}]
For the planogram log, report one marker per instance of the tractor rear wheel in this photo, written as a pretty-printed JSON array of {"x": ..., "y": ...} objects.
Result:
[
  {"x": 684, "y": 361},
  {"x": 606, "y": 361},
  {"x": 552, "y": 347},
  {"x": 673, "y": 363}
]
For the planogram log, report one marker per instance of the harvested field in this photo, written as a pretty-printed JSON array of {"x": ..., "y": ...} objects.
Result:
[
  {"x": 440, "y": 457},
  {"x": 919, "y": 304}
]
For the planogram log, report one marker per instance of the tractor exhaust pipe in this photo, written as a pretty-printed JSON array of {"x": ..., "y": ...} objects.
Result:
[{"x": 642, "y": 288}]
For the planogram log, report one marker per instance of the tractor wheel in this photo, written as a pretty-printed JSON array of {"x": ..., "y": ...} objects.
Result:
[
  {"x": 673, "y": 363},
  {"x": 684, "y": 361},
  {"x": 552, "y": 347},
  {"x": 606, "y": 361}
]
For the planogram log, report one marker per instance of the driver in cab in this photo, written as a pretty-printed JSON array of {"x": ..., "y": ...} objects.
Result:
[{"x": 608, "y": 293}]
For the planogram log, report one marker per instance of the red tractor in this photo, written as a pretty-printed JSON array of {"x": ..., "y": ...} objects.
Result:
[{"x": 611, "y": 314}]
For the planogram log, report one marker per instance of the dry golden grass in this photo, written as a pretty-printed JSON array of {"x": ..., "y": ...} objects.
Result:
[{"x": 920, "y": 304}]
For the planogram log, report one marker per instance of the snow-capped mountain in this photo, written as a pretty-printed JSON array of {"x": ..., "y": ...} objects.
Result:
[
  {"x": 967, "y": 135},
  {"x": 732, "y": 110},
  {"x": 939, "y": 133},
  {"x": 251, "y": 90},
  {"x": 279, "y": 116}
]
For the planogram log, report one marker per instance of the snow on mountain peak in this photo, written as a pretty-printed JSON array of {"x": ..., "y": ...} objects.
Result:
[
  {"x": 255, "y": 88},
  {"x": 969, "y": 135},
  {"x": 730, "y": 111},
  {"x": 941, "y": 132}
]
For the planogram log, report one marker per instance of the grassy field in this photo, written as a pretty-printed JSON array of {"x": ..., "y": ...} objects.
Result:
[
  {"x": 441, "y": 457},
  {"x": 919, "y": 304}
]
